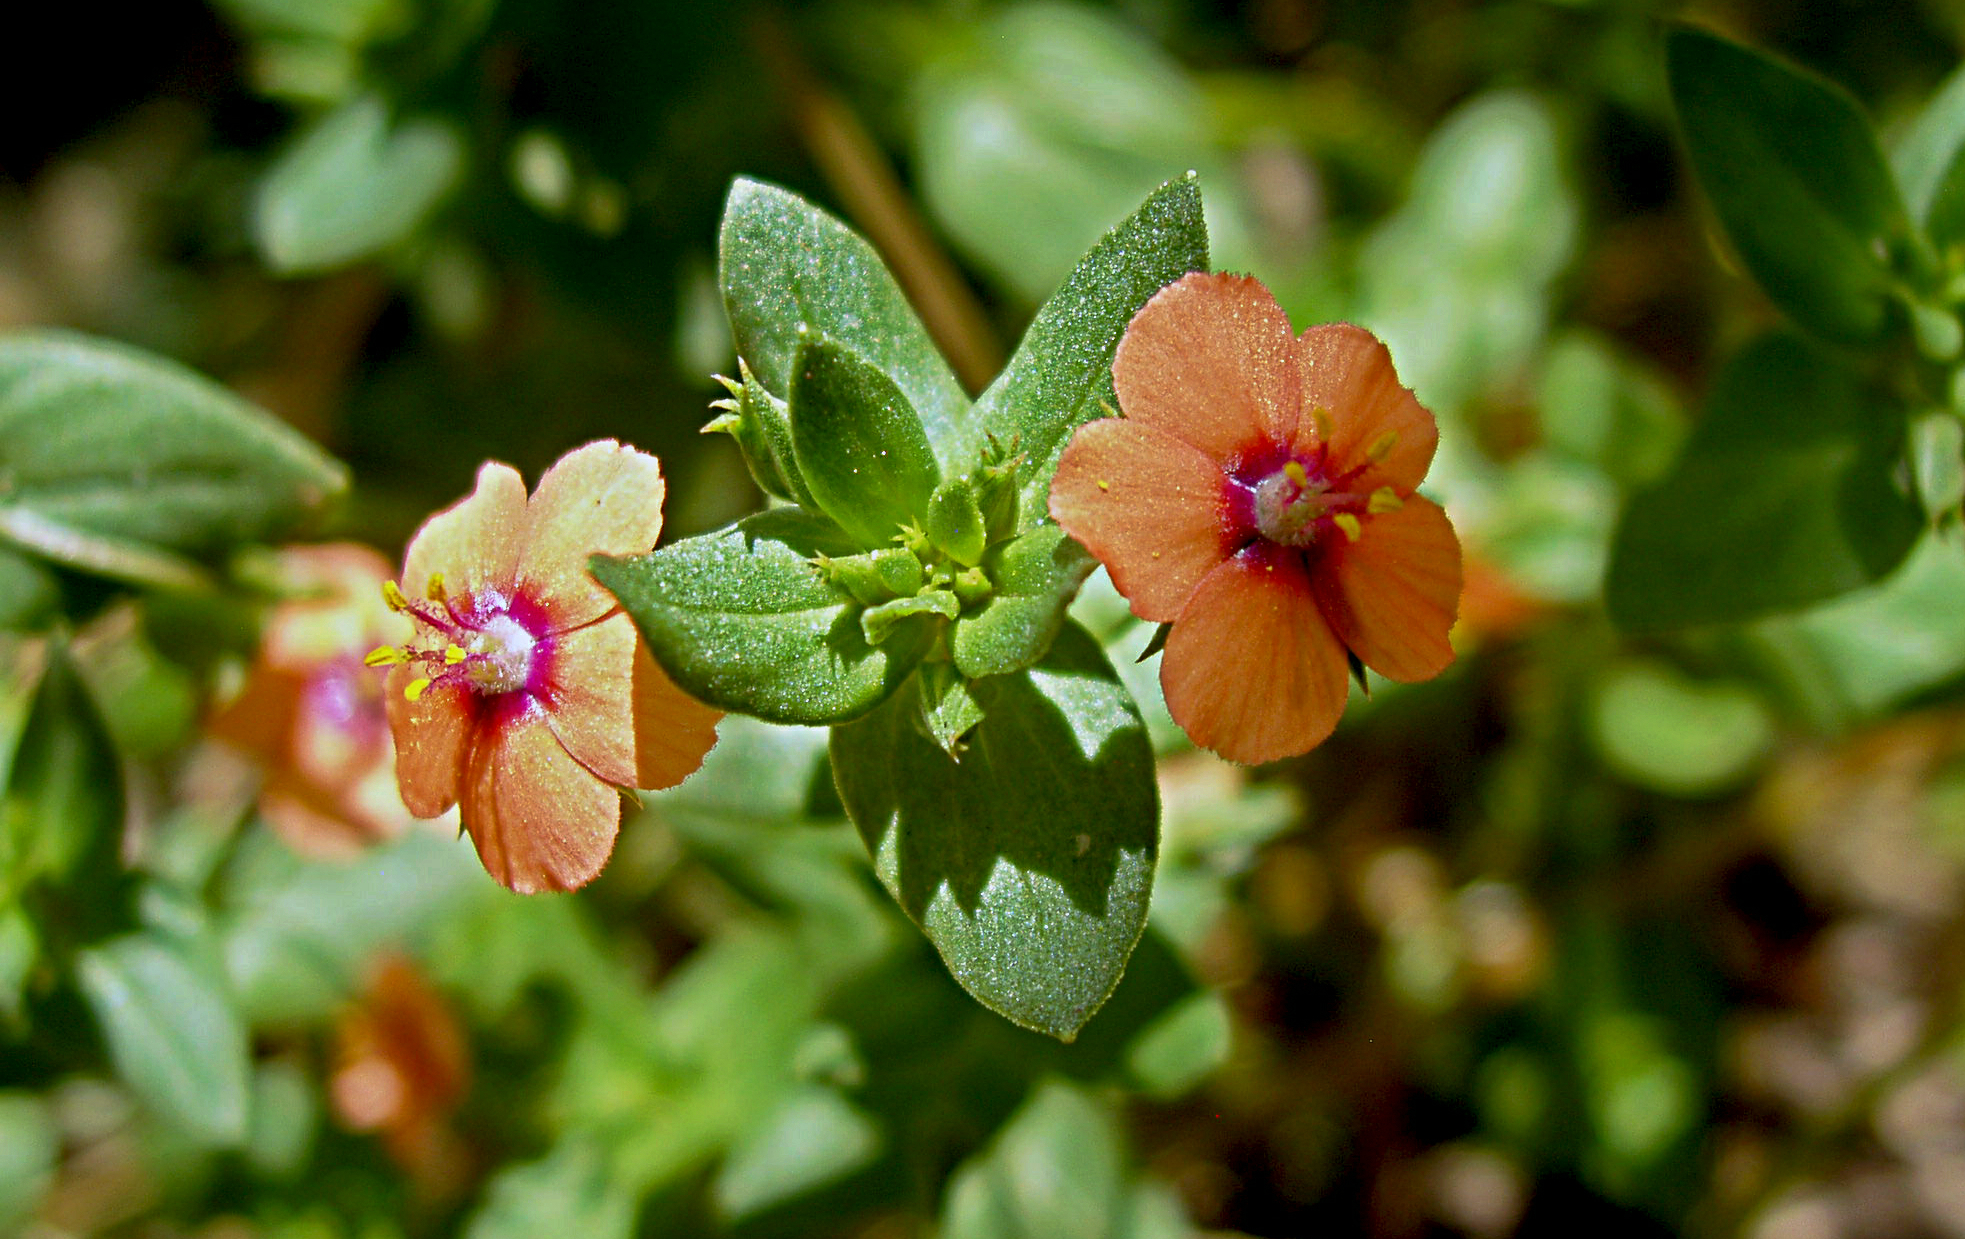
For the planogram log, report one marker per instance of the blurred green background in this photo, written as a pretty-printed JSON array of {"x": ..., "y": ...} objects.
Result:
[{"x": 1657, "y": 935}]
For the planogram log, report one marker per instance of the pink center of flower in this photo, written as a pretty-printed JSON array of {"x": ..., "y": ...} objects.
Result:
[
  {"x": 488, "y": 642},
  {"x": 1287, "y": 500}
]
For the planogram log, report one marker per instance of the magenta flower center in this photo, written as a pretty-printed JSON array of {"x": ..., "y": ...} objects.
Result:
[{"x": 488, "y": 643}]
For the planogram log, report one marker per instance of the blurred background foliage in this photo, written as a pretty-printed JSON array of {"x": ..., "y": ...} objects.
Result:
[{"x": 1659, "y": 935}]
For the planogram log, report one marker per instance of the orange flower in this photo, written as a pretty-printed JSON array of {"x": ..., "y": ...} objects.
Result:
[
  {"x": 526, "y": 696},
  {"x": 312, "y": 714},
  {"x": 1258, "y": 494}
]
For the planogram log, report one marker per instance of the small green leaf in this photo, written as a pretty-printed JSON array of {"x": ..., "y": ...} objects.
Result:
[
  {"x": 784, "y": 264},
  {"x": 100, "y": 439},
  {"x": 881, "y": 622},
  {"x": 1663, "y": 730},
  {"x": 1944, "y": 223},
  {"x": 744, "y": 620},
  {"x": 570, "y": 1191},
  {"x": 859, "y": 445},
  {"x": 353, "y": 186},
  {"x": 1782, "y": 497},
  {"x": 761, "y": 425},
  {"x": 1930, "y": 147},
  {"x": 1937, "y": 458},
  {"x": 1035, "y": 577},
  {"x": 1794, "y": 173},
  {"x": 62, "y": 817},
  {"x": 954, "y": 521},
  {"x": 813, "y": 1138},
  {"x": 1061, "y": 376},
  {"x": 172, "y": 1035},
  {"x": 28, "y": 592},
  {"x": 1056, "y": 1168},
  {"x": 1028, "y": 863},
  {"x": 30, "y": 1144},
  {"x": 1181, "y": 1046}
]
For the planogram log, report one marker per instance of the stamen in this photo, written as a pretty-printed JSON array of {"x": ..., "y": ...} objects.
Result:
[
  {"x": 453, "y": 655},
  {"x": 1382, "y": 446},
  {"x": 1320, "y": 422},
  {"x": 1294, "y": 471},
  {"x": 385, "y": 656},
  {"x": 414, "y": 689},
  {"x": 434, "y": 591},
  {"x": 392, "y": 594},
  {"x": 1384, "y": 500},
  {"x": 1349, "y": 524}
]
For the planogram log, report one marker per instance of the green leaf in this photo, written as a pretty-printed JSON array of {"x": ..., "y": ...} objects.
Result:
[
  {"x": 29, "y": 1146},
  {"x": 353, "y": 186},
  {"x": 1794, "y": 173},
  {"x": 1061, "y": 375},
  {"x": 784, "y": 264},
  {"x": 172, "y": 1035},
  {"x": 1029, "y": 863},
  {"x": 949, "y": 711},
  {"x": 1056, "y": 1168},
  {"x": 62, "y": 817},
  {"x": 28, "y": 592},
  {"x": 859, "y": 445},
  {"x": 742, "y": 619},
  {"x": 1676, "y": 735},
  {"x": 1937, "y": 462},
  {"x": 1930, "y": 147},
  {"x": 954, "y": 522},
  {"x": 1180, "y": 1047},
  {"x": 1035, "y": 577},
  {"x": 813, "y": 1138},
  {"x": 281, "y": 1123},
  {"x": 99, "y": 439},
  {"x": 1782, "y": 497},
  {"x": 1945, "y": 221},
  {"x": 761, "y": 425},
  {"x": 570, "y": 1191}
]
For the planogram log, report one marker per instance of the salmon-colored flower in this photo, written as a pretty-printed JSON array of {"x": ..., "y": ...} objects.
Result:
[
  {"x": 311, "y": 714},
  {"x": 1258, "y": 494},
  {"x": 402, "y": 1065},
  {"x": 526, "y": 696}
]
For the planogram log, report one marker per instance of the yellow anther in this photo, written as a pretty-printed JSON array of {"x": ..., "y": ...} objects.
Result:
[
  {"x": 384, "y": 656},
  {"x": 453, "y": 655},
  {"x": 1320, "y": 422},
  {"x": 435, "y": 588},
  {"x": 1293, "y": 470},
  {"x": 392, "y": 594},
  {"x": 1384, "y": 500},
  {"x": 415, "y": 687},
  {"x": 1349, "y": 524},
  {"x": 1382, "y": 446},
  {"x": 1104, "y": 485}
]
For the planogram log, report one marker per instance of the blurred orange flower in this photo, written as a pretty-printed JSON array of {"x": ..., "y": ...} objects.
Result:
[
  {"x": 526, "y": 696},
  {"x": 1258, "y": 495},
  {"x": 402, "y": 1064},
  {"x": 312, "y": 714}
]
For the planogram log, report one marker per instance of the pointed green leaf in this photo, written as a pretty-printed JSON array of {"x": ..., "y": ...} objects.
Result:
[
  {"x": 1030, "y": 862},
  {"x": 1931, "y": 146},
  {"x": 62, "y": 816},
  {"x": 859, "y": 445},
  {"x": 761, "y": 425},
  {"x": 1793, "y": 171},
  {"x": 352, "y": 186},
  {"x": 1061, "y": 376},
  {"x": 813, "y": 1138},
  {"x": 949, "y": 710},
  {"x": 30, "y": 1146},
  {"x": 1782, "y": 497},
  {"x": 172, "y": 1035},
  {"x": 742, "y": 619},
  {"x": 100, "y": 439},
  {"x": 1035, "y": 577},
  {"x": 954, "y": 521},
  {"x": 785, "y": 264},
  {"x": 28, "y": 593}
]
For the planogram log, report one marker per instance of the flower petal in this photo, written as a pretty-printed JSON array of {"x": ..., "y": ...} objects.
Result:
[
  {"x": 619, "y": 714},
  {"x": 1251, "y": 670},
  {"x": 1148, "y": 505},
  {"x": 433, "y": 740},
  {"x": 1347, "y": 373},
  {"x": 1393, "y": 594},
  {"x": 604, "y": 498},
  {"x": 1210, "y": 358},
  {"x": 475, "y": 542},
  {"x": 540, "y": 820}
]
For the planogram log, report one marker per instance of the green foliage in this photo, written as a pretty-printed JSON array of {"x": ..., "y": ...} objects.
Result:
[
  {"x": 116, "y": 460},
  {"x": 1796, "y": 177},
  {"x": 859, "y": 445},
  {"x": 1783, "y": 496}
]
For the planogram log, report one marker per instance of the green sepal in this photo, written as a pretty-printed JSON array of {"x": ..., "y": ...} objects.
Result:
[
  {"x": 858, "y": 443},
  {"x": 743, "y": 619},
  {"x": 761, "y": 425},
  {"x": 1061, "y": 375},
  {"x": 873, "y": 577},
  {"x": 949, "y": 711},
  {"x": 954, "y": 522},
  {"x": 1035, "y": 577},
  {"x": 1795, "y": 175},
  {"x": 1029, "y": 863},
  {"x": 878, "y": 623},
  {"x": 1158, "y": 642}
]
